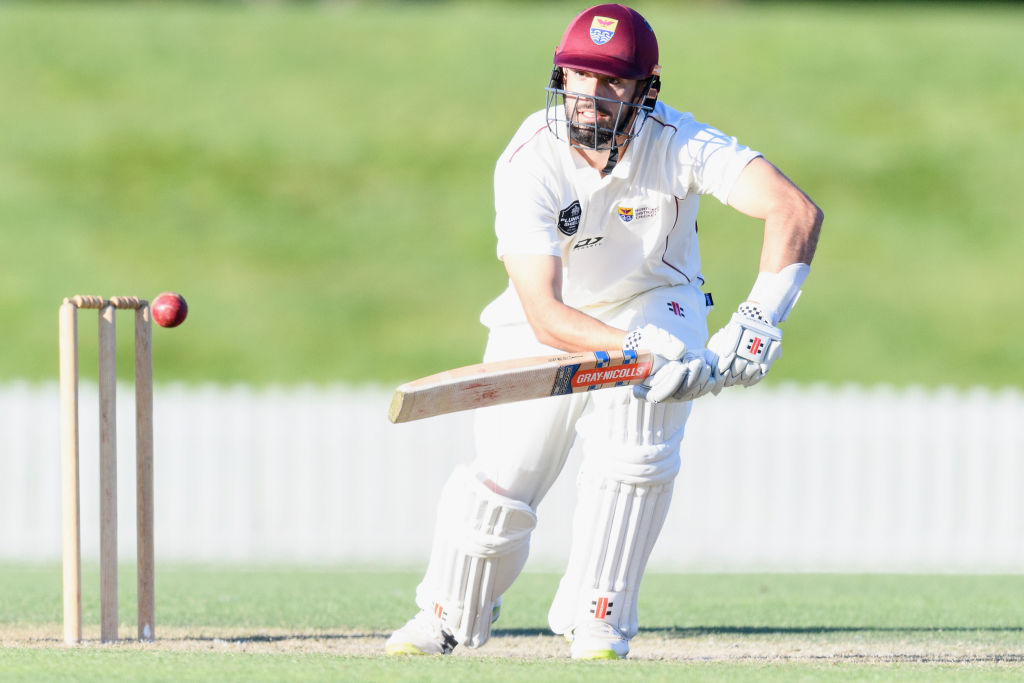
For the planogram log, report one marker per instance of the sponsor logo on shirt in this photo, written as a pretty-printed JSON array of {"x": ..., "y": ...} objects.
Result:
[
  {"x": 569, "y": 218},
  {"x": 627, "y": 214},
  {"x": 586, "y": 243},
  {"x": 602, "y": 29}
]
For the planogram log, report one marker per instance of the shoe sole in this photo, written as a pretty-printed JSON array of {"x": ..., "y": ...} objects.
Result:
[
  {"x": 604, "y": 653},
  {"x": 598, "y": 654},
  {"x": 398, "y": 649}
]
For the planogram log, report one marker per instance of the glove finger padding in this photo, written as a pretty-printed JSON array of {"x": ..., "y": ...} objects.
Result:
[
  {"x": 683, "y": 380},
  {"x": 749, "y": 373},
  {"x": 663, "y": 383},
  {"x": 745, "y": 348},
  {"x": 774, "y": 353},
  {"x": 699, "y": 379}
]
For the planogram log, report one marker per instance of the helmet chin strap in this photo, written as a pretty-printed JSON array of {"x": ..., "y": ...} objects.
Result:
[
  {"x": 613, "y": 158},
  {"x": 649, "y": 97},
  {"x": 613, "y": 153}
]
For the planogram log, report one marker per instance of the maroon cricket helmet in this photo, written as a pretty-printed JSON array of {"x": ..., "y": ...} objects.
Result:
[{"x": 613, "y": 40}]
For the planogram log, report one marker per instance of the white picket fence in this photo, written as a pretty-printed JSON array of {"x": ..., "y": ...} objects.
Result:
[{"x": 788, "y": 478}]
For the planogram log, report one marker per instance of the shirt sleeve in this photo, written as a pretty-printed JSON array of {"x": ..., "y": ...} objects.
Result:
[
  {"x": 714, "y": 161},
  {"x": 525, "y": 211}
]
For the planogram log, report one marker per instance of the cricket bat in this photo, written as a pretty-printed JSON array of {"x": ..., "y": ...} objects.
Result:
[{"x": 519, "y": 379}]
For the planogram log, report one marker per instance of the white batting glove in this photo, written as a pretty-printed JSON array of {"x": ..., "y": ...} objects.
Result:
[
  {"x": 675, "y": 374},
  {"x": 680, "y": 380},
  {"x": 745, "y": 348}
]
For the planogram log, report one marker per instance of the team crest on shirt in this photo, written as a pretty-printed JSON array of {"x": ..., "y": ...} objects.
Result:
[
  {"x": 602, "y": 29},
  {"x": 627, "y": 214},
  {"x": 569, "y": 219}
]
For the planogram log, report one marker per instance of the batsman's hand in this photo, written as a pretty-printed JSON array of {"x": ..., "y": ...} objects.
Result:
[
  {"x": 743, "y": 351},
  {"x": 685, "y": 379},
  {"x": 675, "y": 374}
]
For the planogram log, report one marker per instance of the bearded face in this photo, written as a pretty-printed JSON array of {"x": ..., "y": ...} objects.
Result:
[
  {"x": 596, "y": 111},
  {"x": 596, "y": 122}
]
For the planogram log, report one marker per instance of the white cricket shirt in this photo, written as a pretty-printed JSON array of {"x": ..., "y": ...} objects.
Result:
[{"x": 618, "y": 236}]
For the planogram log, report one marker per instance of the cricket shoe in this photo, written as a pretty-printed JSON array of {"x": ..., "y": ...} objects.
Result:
[
  {"x": 597, "y": 640},
  {"x": 421, "y": 635}
]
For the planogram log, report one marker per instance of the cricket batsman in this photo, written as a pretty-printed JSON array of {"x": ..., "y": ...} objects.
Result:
[{"x": 596, "y": 201}]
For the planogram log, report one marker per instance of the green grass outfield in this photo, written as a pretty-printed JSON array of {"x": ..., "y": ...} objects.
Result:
[
  {"x": 330, "y": 624},
  {"x": 316, "y": 178}
]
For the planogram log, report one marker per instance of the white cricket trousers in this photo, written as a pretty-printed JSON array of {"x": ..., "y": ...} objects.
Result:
[
  {"x": 522, "y": 447},
  {"x": 630, "y": 456}
]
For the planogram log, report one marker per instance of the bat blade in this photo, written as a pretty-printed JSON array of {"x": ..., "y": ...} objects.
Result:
[{"x": 520, "y": 379}]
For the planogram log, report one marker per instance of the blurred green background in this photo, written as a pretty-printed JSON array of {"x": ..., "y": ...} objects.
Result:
[{"x": 316, "y": 178}]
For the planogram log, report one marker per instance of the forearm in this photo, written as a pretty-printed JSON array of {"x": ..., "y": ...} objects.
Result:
[
  {"x": 790, "y": 234},
  {"x": 791, "y": 220},
  {"x": 569, "y": 329},
  {"x": 538, "y": 282},
  {"x": 790, "y": 240}
]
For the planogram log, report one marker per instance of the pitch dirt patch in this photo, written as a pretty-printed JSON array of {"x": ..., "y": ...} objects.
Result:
[{"x": 942, "y": 648}]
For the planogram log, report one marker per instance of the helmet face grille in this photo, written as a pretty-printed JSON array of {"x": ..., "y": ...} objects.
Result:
[{"x": 562, "y": 108}]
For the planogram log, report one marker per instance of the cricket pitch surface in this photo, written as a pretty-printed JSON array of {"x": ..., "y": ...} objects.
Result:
[{"x": 938, "y": 647}]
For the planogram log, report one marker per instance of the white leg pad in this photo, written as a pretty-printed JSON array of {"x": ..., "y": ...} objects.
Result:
[
  {"x": 631, "y": 458},
  {"x": 614, "y": 530},
  {"x": 481, "y": 543}
]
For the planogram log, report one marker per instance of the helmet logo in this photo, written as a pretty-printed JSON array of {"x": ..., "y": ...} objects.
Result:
[{"x": 602, "y": 29}]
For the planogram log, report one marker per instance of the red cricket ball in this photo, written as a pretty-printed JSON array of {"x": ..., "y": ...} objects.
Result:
[{"x": 169, "y": 309}]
